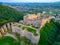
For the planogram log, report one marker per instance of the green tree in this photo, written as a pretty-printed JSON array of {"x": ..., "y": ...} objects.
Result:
[
  {"x": 8, "y": 14},
  {"x": 48, "y": 33}
]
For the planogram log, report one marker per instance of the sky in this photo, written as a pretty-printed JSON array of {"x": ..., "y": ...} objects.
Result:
[{"x": 29, "y": 0}]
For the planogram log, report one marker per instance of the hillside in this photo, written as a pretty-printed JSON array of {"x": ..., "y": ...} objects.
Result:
[
  {"x": 8, "y": 14},
  {"x": 50, "y": 34}
]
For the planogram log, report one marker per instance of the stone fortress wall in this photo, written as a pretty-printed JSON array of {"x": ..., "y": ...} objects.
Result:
[
  {"x": 36, "y": 20},
  {"x": 24, "y": 33},
  {"x": 44, "y": 21},
  {"x": 32, "y": 20},
  {"x": 5, "y": 27}
]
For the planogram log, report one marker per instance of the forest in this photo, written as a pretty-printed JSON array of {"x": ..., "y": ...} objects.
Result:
[
  {"x": 50, "y": 34},
  {"x": 8, "y": 14}
]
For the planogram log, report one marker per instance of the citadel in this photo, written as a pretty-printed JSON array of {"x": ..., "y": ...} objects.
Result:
[
  {"x": 29, "y": 27},
  {"x": 36, "y": 20}
]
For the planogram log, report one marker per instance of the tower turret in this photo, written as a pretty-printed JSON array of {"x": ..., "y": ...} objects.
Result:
[{"x": 38, "y": 15}]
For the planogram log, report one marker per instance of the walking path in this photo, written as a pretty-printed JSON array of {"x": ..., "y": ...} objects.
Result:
[{"x": 7, "y": 34}]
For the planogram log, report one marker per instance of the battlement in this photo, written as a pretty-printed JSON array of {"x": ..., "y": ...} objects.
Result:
[
  {"x": 36, "y": 20},
  {"x": 24, "y": 30},
  {"x": 33, "y": 16}
]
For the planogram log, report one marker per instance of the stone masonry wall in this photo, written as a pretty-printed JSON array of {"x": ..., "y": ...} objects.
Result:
[
  {"x": 5, "y": 27},
  {"x": 24, "y": 33}
]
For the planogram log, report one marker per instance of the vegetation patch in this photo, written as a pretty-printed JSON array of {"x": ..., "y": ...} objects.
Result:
[
  {"x": 8, "y": 41},
  {"x": 23, "y": 27},
  {"x": 8, "y": 14}
]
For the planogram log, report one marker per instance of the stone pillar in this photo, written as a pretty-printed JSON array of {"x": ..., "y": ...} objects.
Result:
[
  {"x": 8, "y": 25},
  {"x": 11, "y": 26},
  {"x": 2, "y": 31},
  {"x": 5, "y": 28}
]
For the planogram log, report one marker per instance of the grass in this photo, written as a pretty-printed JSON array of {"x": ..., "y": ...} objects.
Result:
[
  {"x": 18, "y": 25},
  {"x": 23, "y": 27},
  {"x": 18, "y": 37},
  {"x": 9, "y": 31},
  {"x": 34, "y": 27},
  {"x": 31, "y": 30},
  {"x": 8, "y": 41},
  {"x": 28, "y": 29},
  {"x": 26, "y": 41}
]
